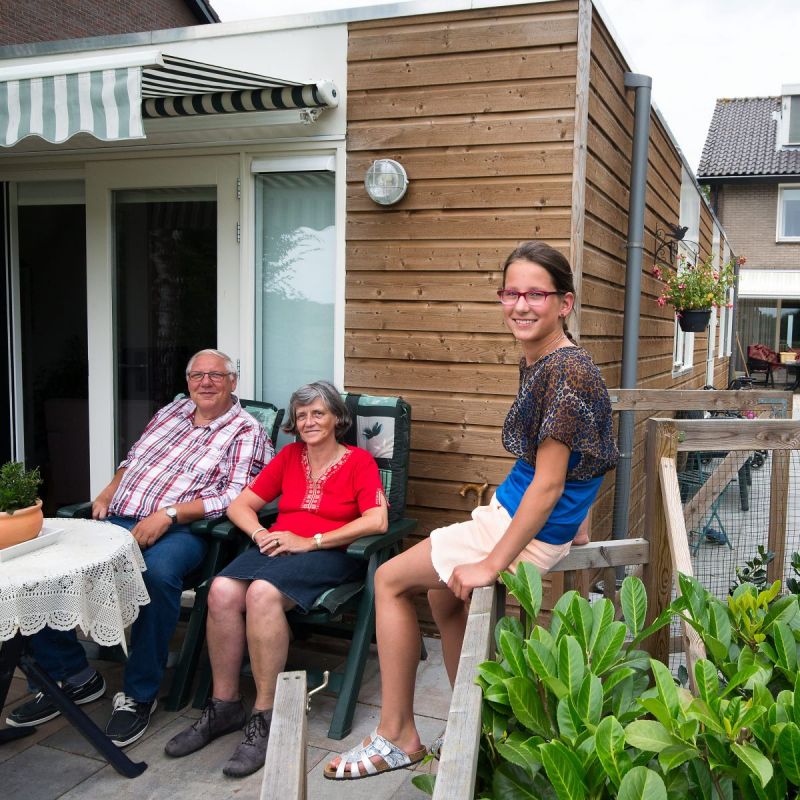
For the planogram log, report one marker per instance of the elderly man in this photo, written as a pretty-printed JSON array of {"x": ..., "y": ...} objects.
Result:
[{"x": 195, "y": 456}]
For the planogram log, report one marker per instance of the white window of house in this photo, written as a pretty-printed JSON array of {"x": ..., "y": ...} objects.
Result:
[
  {"x": 295, "y": 275},
  {"x": 788, "y": 213},
  {"x": 789, "y": 122},
  {"x": 683, "y": 343},
  {"x": 726, "y": 319}
]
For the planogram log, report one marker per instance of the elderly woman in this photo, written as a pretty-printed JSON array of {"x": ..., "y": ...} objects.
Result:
[{"x": 330, "y": 495}]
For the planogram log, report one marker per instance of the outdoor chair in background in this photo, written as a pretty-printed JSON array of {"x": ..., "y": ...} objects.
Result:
[
  {"x": 221, "y": 550},
  {"x": 762, "y": 360},
  {"x": 382, "y": 426}
]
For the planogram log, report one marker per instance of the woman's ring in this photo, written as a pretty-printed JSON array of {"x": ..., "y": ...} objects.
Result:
[{"x": 275, "y": 542}]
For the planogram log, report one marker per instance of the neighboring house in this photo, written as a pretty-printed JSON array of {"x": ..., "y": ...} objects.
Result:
[
  {"x": 751, "y": 162},
  {"x": 241, "y": 220},
  {"x": 26, "y": 21}
]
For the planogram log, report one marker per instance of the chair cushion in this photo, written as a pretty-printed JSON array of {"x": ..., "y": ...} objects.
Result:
[
  {"x": 382, "y": 426},
  {"x": 763, "y": 353},
  {"x": 333, "y": 599}
]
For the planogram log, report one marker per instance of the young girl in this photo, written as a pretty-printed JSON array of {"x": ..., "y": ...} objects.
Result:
[{"x": 559, "y": 429}]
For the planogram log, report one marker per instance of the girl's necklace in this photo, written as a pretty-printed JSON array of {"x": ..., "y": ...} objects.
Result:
[{"x": 548, "y": 347}]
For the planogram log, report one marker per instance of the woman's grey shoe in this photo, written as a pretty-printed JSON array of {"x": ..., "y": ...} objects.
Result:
[
  {"x": 250, "y": 754},
  {"x": 218, "y": 718}
]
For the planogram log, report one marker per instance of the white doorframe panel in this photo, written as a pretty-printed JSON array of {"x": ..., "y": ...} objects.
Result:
[{"x": 102, "y": 179}]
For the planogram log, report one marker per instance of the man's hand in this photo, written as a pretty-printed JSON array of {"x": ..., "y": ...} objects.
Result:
[
  {"x": 149, "y": 530},
  {"x": 100, "y": 505},
  {"x": 466, "y": 577}
]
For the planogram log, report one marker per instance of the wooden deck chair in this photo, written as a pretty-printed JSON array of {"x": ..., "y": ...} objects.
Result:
[
  {"x": 381, "y": 425},
  {"x": 221, "y": 551}
]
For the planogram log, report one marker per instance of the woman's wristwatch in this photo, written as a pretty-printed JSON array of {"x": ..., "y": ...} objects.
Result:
[
  {"x": 318, "y": 540},
  {"x": 256, "y": 532}
]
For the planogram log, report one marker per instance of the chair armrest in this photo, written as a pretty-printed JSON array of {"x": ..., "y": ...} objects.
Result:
[
  {"x": 364, "y": 547},
  {"x": 223, "y": 528},
  {"x": 76, "y": 511}
]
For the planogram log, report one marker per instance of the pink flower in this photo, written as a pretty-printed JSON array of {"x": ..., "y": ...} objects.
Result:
[
  {"x": 662, "y": 301},
  {"x": 657, "y": 272},
  {"x": 728, "y": 305},
  {"x": 741, "y": 260},
  {"x": 681, "y": 285},
  {"x": 750, "y": 414}
]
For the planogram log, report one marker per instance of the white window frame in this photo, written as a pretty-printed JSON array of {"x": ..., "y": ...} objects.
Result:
[
  {"x": 779, "y": 237},
  {"x": 290, "y": 157},
  {"x": 683, "y": 343},
  {"x": 788, "y": 91}
]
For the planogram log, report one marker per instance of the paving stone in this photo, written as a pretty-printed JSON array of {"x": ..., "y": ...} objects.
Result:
[
  {"x": 433, "y": 692},
  {"x": 378, "y": 787},
  {"x": 195, "y": 777},
  {"x": 41, "y": 773}
]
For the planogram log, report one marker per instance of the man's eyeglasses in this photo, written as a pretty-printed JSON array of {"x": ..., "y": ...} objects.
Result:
[
  {"x": 534, "y": 299},
  {"x": 214, "y": 377}
]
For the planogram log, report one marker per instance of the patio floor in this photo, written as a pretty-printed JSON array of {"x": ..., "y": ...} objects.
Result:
[{"x": 56, "y": 762}]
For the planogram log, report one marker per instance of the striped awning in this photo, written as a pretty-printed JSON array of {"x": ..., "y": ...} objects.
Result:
[{"x": 110, "y": 102}]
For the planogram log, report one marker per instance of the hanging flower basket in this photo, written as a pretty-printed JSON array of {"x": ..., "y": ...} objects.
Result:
[
  {"x": 694, "y": 320},
  {"x": 693, "y": 288}
]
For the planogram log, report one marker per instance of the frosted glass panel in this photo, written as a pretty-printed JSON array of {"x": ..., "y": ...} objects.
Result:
[{"x": 295, "y": 282}]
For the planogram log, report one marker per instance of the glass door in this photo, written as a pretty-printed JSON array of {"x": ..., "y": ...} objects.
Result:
[
  {"x": 295, "y": 282},
  {"x": 163, "y": 282},
  {"x": 52, "y": 370},
  {"x": 165, "y": 298}
]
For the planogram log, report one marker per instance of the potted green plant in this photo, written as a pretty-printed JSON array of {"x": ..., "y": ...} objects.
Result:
[
  {"x": 694, "y": 288},
  {"x": 20, "y": 508}
]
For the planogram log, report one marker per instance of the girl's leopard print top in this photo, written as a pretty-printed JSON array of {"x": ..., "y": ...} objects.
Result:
[{"x": 564, "y": 397}]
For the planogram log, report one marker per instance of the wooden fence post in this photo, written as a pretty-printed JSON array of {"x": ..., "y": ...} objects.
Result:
[
  {"x": 778, "y": 498},
  {"x": 285, "y": 763},
  {"x": 660, "y": 442}
]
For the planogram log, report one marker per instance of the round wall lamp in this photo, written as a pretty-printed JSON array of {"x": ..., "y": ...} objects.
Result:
[{"x": 386, "y": 181}]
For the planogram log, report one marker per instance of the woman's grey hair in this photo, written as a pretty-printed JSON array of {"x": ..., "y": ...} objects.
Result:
[
  {"x": 229, "y": 367},
  {"x": 319, "y": 390}
]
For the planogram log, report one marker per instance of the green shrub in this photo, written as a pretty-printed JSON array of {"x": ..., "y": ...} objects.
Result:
[
  {"x": 18, "y": 487},
  {"x": 576, "y": 712}
]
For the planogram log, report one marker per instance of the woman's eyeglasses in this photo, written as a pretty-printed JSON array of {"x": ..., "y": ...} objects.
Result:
[{"x": 534, "y": 299}]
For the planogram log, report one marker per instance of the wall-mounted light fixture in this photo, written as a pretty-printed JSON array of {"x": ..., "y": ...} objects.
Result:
[
  {"x": 386, "y": 181},
  {"x": 667, "y": 243}
]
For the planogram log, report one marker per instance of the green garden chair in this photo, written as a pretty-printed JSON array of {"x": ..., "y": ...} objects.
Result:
[{"x": 381, "y": 425}]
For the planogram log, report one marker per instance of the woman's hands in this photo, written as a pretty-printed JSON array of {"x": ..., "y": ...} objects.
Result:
[
  {"x": 466, "y": 577},
  {"x": 278, "y": 543}
]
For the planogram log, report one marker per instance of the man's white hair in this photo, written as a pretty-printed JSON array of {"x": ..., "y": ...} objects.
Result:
[{"x": 229, "y": 367}]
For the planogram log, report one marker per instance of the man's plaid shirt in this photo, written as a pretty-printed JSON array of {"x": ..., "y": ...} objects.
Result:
[{"x": 175, "y": 461}]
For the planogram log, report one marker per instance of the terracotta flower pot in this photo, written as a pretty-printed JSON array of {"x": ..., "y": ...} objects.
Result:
[
  {"x": 694, "y": 320},
  {"x": 21, "y": 525}
]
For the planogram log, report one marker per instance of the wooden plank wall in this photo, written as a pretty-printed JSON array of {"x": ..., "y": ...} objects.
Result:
[
  {"x": 609, "y": 143},
  {"x": 478, "y": 106}
]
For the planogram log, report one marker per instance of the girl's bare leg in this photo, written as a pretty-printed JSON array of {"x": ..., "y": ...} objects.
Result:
[
  {"x": 450, "y": 616},
  {"x": 396, "y": 584}
]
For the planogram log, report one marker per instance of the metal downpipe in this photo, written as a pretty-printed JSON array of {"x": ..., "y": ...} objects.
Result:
[{"x": 641, "y": 84}]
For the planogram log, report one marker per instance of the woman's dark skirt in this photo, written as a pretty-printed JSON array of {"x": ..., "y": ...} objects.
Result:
[{"x": 302, "y": 577}]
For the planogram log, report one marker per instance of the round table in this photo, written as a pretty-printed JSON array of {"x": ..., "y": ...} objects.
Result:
[{"x": 90, "y": 578}]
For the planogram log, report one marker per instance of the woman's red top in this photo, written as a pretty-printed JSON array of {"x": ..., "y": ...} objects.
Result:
[{"x": 348, "y": 488}]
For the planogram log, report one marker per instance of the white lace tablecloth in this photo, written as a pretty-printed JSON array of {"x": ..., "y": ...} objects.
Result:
[{"x": 91, "y": 578}]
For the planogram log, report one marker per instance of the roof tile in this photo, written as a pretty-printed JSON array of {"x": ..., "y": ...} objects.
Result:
[{"x": 741, "y": 141}]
